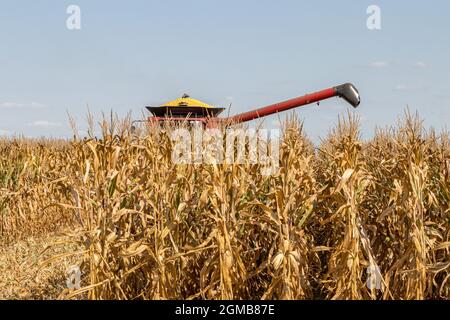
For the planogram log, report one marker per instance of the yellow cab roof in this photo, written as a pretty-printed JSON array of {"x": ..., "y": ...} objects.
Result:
[{"x": 187, "y": 101}]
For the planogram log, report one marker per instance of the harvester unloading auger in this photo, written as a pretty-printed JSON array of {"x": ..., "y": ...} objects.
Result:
[{"x": 191, "y": 110}]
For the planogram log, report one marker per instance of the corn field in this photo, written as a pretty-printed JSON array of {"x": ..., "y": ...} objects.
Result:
[{"x": 346, "y": 219}]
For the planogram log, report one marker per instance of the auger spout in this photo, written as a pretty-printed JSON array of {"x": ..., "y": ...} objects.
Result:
[{"x": 346, "y": 91}]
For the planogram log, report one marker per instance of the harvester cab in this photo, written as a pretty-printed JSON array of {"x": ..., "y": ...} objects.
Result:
[
  {"x": 184, "y": 109},
  {"x": 194, "y": 111}
]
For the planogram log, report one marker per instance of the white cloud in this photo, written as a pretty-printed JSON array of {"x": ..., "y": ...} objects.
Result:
[
  {"x": 45, "y": 124},
  {"x": 37, "y": 105},
  {"x": 378, "y": 64},
  {"x": 10, "y": 105},
  {"x": 4, "y": 132},
  {"x": 18, "y": 105},
  {"x": 401, "y": 87},
  {"x": 420, "y": 64}
]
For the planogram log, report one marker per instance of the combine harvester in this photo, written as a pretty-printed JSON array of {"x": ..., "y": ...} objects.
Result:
[{"x": 194, "y": 111}]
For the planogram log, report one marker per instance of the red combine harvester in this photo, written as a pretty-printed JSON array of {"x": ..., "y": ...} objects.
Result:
[{"x": 191, "y": 110}]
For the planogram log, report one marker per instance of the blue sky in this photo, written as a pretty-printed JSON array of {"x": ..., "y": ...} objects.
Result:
[{"x": 129, "y": 54}]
